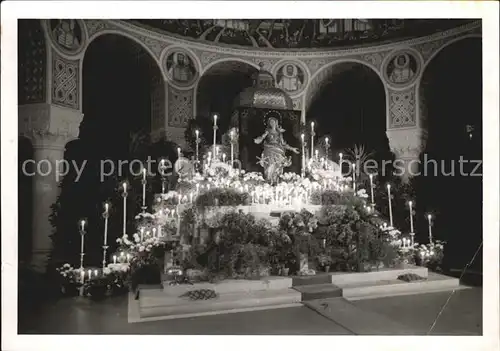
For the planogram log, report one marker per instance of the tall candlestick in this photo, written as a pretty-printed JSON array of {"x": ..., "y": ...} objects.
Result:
[
  {"x": 215, "y": 132},
  {"x": 231, "y": 139},
  {"x": 410, "y": 204},
  {"x": 105, "y": 246},
  {"x": 144, "y": 188},
  {"x": 82, "y": 236},
  {"x": 302, "y": 136},
  {"x": 312, "y": 139},
  {"x": 429, "y": 218},
  {"x": 390, "y": 203},
  {"x": 371, "y": 189},
  {"x": 354, "y": 177},
  {"x": 124, "y": 194},
  {"x": 197, "y": 132},
  {"x": 327, "y": 148}
]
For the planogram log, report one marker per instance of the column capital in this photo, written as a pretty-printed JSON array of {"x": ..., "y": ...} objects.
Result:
[
  {"x": 49, "y": 126},
  {"x": 407, "y": 143}
]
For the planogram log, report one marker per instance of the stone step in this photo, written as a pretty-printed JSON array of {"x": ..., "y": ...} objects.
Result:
[
  {"x": 356, "y": 320},
  {"x": 383, "y": 288},
  {"x": 319, "y": 291},
  {"x": 157, "y": 304},
  {"x": 231, "y": 285},
  {"x": 343, "y": 278},
  {"x": 321, "y": 278}
]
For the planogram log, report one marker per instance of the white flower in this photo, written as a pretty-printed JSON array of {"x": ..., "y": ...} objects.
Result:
[
  {"x": 106, "y": 270},
  {"x": 137, "y": 239},
  {"x": 119, "y": 241},
  {"x": 141, "y": 248},
  {"x": 66, "y": 265}
]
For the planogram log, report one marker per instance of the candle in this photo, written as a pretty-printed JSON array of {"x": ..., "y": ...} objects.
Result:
[
  {"x": 179, "y": 198},
  {"x": 90, "y": 274},
  {"x": 197, "y": 132},
  {"x": 191, "y": 197},
  {"x": 142, "y": 234},
  {"x": 312, "y": 138},
  {"x": 197, "y": 188},
  {"x": 354, "y": 177},
  {"x": 128, "y": 258},
  {"x": 154, "y": 232},
  {"x": 302, "y": 136},
  {"x": 217, "y": 150},
  {"x": 327, "y": 147},
  {"x": 96, "y": 272},
  {"x": 215, "y": 131},
  {"x": 232, "y": 147},
  {"x": 106, "y": 213},
  {"x": 371, "y": 188},
  {"x": 82, "y": 223},
  {"x": 390, "y": 203},
  {"x": 82, "y": 276},
  {"x": 224, "y": 157},
  {"x": 114, "y": 259},
  {"x": 124, "y": 208},
  {"x": 316, "y": 152},
  {"x": 410, "y": 203},
  {"x": 144, "y": 188},
  {"x": 178, "y": 152},
  {"x": 429, "y": 218}
]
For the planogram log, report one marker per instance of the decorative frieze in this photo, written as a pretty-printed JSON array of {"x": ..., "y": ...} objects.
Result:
[
  {"x": 402, "y": 108},
  {"x": 180, "y": 107},
  {"x": 65, "y": 81}
]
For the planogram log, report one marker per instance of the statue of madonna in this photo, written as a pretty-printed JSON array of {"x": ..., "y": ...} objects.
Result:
[{"x": 273, "y": 158}]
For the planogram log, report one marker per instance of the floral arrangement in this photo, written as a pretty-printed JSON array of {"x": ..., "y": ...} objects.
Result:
[{"x": 430, "y": 255}]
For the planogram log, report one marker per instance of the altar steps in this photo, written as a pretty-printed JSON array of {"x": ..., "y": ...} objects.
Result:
[
  {"x": 155, "y": 304},
  {"x": 318, "y": 291},
  {"x": 371, "y": 285}
]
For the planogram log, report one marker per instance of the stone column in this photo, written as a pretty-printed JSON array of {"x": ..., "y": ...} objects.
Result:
[
  {"x": 179, "y": 112},
  {"x": 50, "y": 128},
  {"x": 406, "y": 137},
  {"x": 406, "y": 144}
]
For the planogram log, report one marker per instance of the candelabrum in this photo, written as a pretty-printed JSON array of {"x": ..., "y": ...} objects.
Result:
[
  {"x": 124, "y": 195},
  {"x": 82, "y": 235},
  {"x": 105, "y": 247},
  {"x": 144, "y": 207}
]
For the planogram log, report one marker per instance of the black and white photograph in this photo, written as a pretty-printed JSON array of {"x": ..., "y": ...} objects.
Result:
[{"x": 291, "y": 175}]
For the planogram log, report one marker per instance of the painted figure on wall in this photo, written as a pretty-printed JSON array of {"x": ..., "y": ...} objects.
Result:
[
  {"x": 273, "y": 158},
  {"x": 180, "y": 68},
  {"x": 66, "y": 33},
  {"x": 401, "y": 69},
  {"x": 290, "y": 78}
]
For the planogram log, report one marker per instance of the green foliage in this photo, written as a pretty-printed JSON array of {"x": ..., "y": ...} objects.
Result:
[{"x": 222, "y": 197}]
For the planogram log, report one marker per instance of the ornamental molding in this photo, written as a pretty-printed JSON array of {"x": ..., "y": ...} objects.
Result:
[
  {"x": 172, "y": 39},
  {"x": 402, "y": 108},
  {"x": 406, "y": 143},
  {"x": 49, "y": 126}
]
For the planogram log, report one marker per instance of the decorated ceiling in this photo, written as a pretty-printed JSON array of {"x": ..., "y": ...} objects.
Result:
[{"x": 297, "y": 33}]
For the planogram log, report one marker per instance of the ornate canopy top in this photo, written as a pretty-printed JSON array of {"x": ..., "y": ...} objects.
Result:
[
  {"x": 298, "y": 33},
  {"x": 264, "y": 94}
]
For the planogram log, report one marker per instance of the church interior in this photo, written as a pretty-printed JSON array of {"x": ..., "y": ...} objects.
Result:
[{"x": 385, "y": 91}]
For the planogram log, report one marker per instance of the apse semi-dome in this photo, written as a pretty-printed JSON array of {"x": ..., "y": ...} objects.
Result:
[
  {"x": 264, "y": 94},
  {"x": 298, "y": 33}
]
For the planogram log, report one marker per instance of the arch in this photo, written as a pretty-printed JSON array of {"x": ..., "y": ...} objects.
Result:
[
  {"x": 252, "y": 67},
  {"x": 309, "y": 93},
  {"x": 350, "y": 107},
  {"x": 448, "y": 43},
  {"x": 126, "y": 35}
]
